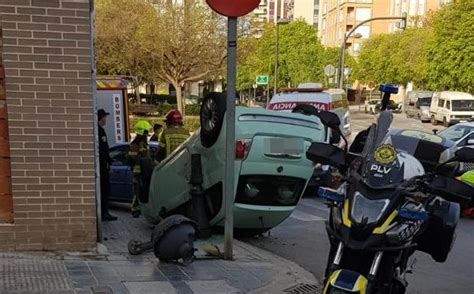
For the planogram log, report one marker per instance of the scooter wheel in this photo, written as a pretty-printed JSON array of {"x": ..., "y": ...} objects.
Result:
[{"x": 134, "y": 247}]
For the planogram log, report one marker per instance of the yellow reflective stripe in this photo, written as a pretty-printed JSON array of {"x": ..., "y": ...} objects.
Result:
[
  {"x": 360, "y": 285},
  {"x": 383, "y": 228},
  {"x": 345, "y": 216},
  {"x": 331, "y": 281}
]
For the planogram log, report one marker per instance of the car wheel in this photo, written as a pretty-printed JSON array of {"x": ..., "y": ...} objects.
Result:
[
  {"x": 445, "y": 122},
  {"x": 212, "y": 116},
  {"x": 434, "y": 122},
  {"x": 365, "y": 110}
]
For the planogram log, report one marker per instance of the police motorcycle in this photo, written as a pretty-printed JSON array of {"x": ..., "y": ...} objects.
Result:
[{"x": 387, "y": 207}]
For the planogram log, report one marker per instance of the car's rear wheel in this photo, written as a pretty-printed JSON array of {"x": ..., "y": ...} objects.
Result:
[
  {"x": 434, "y": 122},
  {"x": 212, "y": 116}
]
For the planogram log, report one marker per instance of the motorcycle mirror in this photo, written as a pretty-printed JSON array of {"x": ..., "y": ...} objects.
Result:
[
  {"x": 327, "y": 154},
  {"x": 330, "y": 119},
  {"x": 465, "y": 155},
  {"x": 327, "y": 118}
]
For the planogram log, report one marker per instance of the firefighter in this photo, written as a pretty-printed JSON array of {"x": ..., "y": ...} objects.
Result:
[
  {"x": 138, "y": 155},
  {"x": 174, "y": 134}
]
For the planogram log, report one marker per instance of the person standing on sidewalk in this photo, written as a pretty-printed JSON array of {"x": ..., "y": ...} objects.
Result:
[
  {"x": 174, "y": 135},
  {"x": 140, "y": 162},
  {"x": 104, "y": 166}
]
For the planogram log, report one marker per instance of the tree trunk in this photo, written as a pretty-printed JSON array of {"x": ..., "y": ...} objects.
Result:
[
  {"x": 179, "y": 98},
  {"x": 137, "y": 94}
]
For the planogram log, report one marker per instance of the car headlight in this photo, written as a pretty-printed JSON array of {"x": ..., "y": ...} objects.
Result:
[{"x": 367, "y": 211}]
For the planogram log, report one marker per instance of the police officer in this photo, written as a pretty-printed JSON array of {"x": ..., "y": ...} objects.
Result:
[
  {"x": 174, "y": 134},
  {"x": 104, "y": 163}
]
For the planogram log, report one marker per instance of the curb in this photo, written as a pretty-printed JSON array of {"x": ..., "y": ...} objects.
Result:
[{"x": 291, "y": 274}]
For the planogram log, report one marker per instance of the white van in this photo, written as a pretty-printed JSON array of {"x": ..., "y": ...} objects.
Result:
[
  {"x": 313, "y": 94},
  {"x": 451, "y": 108}
]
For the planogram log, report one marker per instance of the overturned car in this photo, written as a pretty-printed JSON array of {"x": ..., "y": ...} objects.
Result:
[{"x": 271, "y": 170}]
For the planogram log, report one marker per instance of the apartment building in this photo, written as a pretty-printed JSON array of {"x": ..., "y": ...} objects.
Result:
[
  {"x": 337, "y": 17},
  {"x": 272, "y": 10},
  {"x": 304, "y": 9}
]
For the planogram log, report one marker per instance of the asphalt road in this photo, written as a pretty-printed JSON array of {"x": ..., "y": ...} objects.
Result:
[{"x": 302, "y": 239}]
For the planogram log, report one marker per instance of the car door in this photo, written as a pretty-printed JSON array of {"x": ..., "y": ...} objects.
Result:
[{"x": 121, "y": 176}]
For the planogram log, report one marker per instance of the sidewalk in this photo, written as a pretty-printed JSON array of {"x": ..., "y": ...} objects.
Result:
[{"x": 113, "y": 270}]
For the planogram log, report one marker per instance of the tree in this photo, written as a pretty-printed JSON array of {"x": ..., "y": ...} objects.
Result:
[
  {"x": 190, "y": 45},
  {"x": 300, "y": 56},
  {"x": 123, "y": 27},
  {"x": 451, "y": 51},
  {"x": 397, "y": 58}
]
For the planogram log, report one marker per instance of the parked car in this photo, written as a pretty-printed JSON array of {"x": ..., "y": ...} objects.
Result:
[
  {"x": 370, "y": 105},
  {"x": 463, "y": 136},
  {"x": 121, "y": 176},
  {"x": 271, "y": 169},
  {"x": 451, "y": 108},
  {"x": 417, "y": 105}
]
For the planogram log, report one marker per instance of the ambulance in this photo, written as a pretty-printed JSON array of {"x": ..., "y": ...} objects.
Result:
[{"x": 313, "y": 94}]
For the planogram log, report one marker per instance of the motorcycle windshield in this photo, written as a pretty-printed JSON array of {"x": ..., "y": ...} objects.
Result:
[{"x": 382, "y": 166}]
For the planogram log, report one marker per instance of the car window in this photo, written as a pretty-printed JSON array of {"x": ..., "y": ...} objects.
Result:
[
  {"x": 119, "y": 154},
  {"x": 456, "y": 132},
  {"x": 448, "y": 104},
  {"x": 463, "y": 105},
  {"x": 424, "y": 101},
  {"x": 440, "y": 103}
]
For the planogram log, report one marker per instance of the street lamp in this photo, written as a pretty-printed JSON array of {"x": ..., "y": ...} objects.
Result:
[
  {"x": 341, "y": 58},
  {"x": 281, "y": 21},
  {"x": 403, "y": 23}
]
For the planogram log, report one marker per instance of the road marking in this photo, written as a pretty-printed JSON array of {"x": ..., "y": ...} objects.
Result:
[{"x": 305, "y": 217}]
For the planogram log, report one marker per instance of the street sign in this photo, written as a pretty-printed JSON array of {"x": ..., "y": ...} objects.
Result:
[
  {"x": 233, "y": 8},
  {"x": 329, "y": 70},
  {"x": 261, "y": 80}
]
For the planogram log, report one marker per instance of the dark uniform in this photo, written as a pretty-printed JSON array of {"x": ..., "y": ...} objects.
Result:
[{"x": 104, "y": 162}]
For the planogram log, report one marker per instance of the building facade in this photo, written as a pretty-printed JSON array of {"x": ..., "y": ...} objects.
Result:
[
  {"x": 47, "y": 122},
  {"x": 272, "y": 10},
  {"x": 304, "y": 9},
  {"x": 338, "y": 17}
]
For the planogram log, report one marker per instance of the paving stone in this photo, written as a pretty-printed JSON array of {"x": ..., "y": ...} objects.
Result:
[
  {"x": 150, "y": 287},
  {"x": 205, "y": 287}
]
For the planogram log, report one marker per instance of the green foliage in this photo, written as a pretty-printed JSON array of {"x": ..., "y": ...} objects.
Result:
[
  {"x": 451, "y": 51},
  {"x": 397, "y": 58},
  {"x": 300, "y": 56}
]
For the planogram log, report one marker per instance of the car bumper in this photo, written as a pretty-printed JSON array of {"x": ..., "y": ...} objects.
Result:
[{"x": 248, "y": 216}]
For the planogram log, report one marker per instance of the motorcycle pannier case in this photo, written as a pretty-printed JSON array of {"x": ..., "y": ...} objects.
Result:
[{"x": 439, "y": 236}]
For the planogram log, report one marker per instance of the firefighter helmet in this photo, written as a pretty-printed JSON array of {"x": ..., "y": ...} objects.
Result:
[{"x": 174, "y": 117}]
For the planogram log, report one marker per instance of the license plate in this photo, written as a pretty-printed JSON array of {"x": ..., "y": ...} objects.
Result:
[{"x": 284, "y": 145}]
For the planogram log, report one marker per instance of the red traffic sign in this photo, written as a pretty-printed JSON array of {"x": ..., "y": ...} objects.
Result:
[{"x": 233, "y": 8}]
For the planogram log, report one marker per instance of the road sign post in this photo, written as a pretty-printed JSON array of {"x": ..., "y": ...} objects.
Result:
[{"x": 232, "y": 9}]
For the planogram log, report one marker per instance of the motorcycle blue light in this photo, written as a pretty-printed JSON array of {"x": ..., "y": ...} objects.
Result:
[
  {"x": 413, "y": 215},
  {"x": 330, "y": 194}
]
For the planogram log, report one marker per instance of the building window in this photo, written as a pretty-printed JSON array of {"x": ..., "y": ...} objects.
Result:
[
  {"x": 421, "y": 7},
  {"x": 363, "y": 14},
  {"x": 364, "y": 31}
]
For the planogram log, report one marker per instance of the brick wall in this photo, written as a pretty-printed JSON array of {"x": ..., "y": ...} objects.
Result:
[{"x": 47, "y": 61}]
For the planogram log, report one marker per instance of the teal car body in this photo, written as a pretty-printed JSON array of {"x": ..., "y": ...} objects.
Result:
[{"x": 269, "y": 179}]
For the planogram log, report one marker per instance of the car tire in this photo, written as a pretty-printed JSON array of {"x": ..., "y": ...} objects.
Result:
[
  {"x": 211, "y": 118},
  {"x": 434, "y": 122},
  {"x": 445, "y": 122}
]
